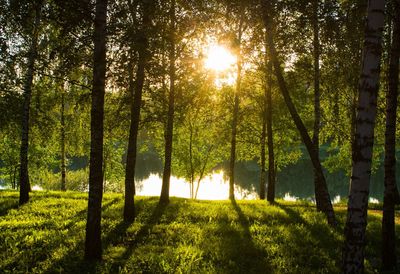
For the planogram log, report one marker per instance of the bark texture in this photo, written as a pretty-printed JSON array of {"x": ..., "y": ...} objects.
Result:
[
  {"x": 164, "y": 197},
  {"x": 136, "y": 90},
  {"x": 354, "y": 246},
  {"x": 391, "y": 194},
  {"x": 323, "y": 199},
  {"x": 93, "y": 249},
  {"x": 24, "y": 186}
]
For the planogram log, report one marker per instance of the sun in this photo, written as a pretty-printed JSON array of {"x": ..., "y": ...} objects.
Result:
[{"x": 219, "y": 58}]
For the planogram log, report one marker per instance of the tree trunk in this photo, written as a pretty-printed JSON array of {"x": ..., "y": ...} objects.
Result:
[
  {"x": 232, "y": 160},
  {"x": 14, "y": 177},
  {"x": 233, "y": 144},
  {"x": 63, "y": 166},
  {"x": 191, "y": 160},
  {"x": 271, "y": 155},
  {"x": 317, "y": 104},
  {"x": 263, "y": 142},
  {"x": 323, "y": 199},
  {"x": 93, "y": 248},
  {"x": 203, "y": 169},
  {"x": 136, "y": 95},
  {"x": 164, "y": 197},
  {"x": 391, "y": 194},
  {"x": 24, "y": 185},
  {"x": 353, "y": 252}
]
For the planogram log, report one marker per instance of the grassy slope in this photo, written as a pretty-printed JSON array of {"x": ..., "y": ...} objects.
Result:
[{"x": 47, "y": 235}]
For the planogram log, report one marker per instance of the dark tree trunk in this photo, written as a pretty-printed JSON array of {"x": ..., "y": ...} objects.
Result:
[
  {"x": 14, "y": 177},
  {"x": 164, "y": 197},
  {"x": 263, "y": 173},
  {"x": 235, "y": 113},
  {"x": 391, "y": 195},
  {"x": 93, "y": 248},
  {"x": 63, "y": 167},
  {"x": 233, "y": 143},
  {"x": 24, "y": 185},
  {"x": 271, "y": 155},
  {"x": 317, "y": 104},
  {"x": 323, "y": 198},
  {"x": 354, "y": 246},
  {"x": 136, "y": 93}
]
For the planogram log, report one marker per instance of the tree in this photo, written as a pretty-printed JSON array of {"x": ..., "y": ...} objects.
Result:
[
  {"x": 317, "y": 99},
  {"x": 266, "y": 133},
  {"x": 198, "y": 143},
  {"x": 238, "y": 40},
  {"x": 93, "y": 248},
  {"x": 353, "y": 252},
  {"x": 271, "y": 155},
  {"x": 24, "y": 175},
  {"x": 164, "y": 197},
  {"x": 62, "y": 139},
  {"x": 322, "y": 196},
  {"x": 136, "y": 94},
  {"x": 391, "y": 194}
]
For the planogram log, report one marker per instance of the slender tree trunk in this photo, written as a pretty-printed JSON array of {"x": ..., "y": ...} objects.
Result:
[
  {"x": 106, "y": 158},
  {"x": 263, "y": 174},
  {"x": 391, "y": 196},
  {"x": 14, "y": 177},
  {"x": 202, "y": 171},
  {"x": 353, "y": 252},
  {"x": 63, "y": 166},
  {"x": 317, "y": 104},
  {"x": 136, "y": 94},
  {"x": 336, "y": 116},
  {"x": 232, "y": 160},
  {"x": 191, "y": 161},
  {"x": 93, "y": 248},
  {"x": 164, "y": 197},
  {"x": 271, "y": 155},
  {"x": 263, "y": 142},
  {"x": 27, "y": 94},
  {"x": 322, "y": 189}
]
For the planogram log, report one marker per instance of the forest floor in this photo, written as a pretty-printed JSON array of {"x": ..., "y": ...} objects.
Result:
[{"x": 47, "y": 236}]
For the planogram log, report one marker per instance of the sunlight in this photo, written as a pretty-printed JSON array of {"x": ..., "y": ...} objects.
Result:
[
  {"x": 212, "y": 187},
  {"x": 219, "y": 58},
  {"x": 290, "y": 198}
]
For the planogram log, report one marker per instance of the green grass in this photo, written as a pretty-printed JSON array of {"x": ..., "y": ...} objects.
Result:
[{"x": 47, "y": 236}]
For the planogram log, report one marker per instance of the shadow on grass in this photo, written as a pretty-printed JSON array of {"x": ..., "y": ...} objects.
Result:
[
  {"x": 237, "y": 252},
  {"x": 139, "y": 237},
  {"x": 73, "y": 261},
  {"x": 7, "y": 205},
  {"x": 324, "y": 239}
]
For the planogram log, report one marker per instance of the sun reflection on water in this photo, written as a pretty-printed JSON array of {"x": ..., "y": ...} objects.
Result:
[{"x": 212, "y": 187}]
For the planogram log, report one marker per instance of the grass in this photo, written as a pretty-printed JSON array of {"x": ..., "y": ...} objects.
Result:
[{"x": 47, "y": 236}]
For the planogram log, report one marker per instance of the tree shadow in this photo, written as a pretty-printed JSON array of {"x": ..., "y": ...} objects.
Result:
[
  {"x": 7, "y": 205},
  {"x": 73, "y": 261},
  {"x": 237, "y": 251},
  {"x": 139, "y": 237},
  {"x": 301, "y": 231}
]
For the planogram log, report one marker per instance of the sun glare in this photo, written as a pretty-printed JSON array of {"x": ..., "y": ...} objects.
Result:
[
  {"x": 219, "y": 58},
  {"x": 212, "y": 187}
]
